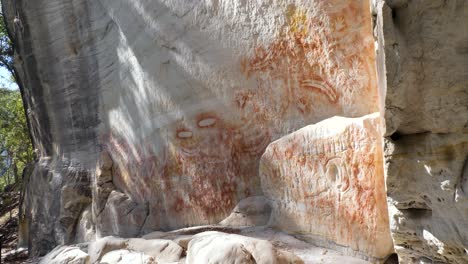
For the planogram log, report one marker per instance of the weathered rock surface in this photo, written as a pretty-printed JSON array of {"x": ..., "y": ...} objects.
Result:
[
  {"x": 327, "y": 184},
  {"x": 424, "y": 51},
  {"x": 190, "y": 101},
  {"x": 123, "y": 256},
  {"x": 104, "y": 245},
  {"x": 56, "y": 73},
  {"x": 121, "y": 216},
  {"x": 174, "y": 103},
  {"x": 184, "y": 96},
  {"x": 56, "y": 198},
  {"x": 103, "y": 184},
  {"x": 66, "y": 255},
  {"x": 217, "y": 247},
  {"x": 428, "y": 198},
  {"x": 120, "y": 250},
  {"x": 115, "y": 213},
  {"x": 308, "y": 253},
  {"x": 424, "y": 63},
  {"x": 210, "y": 244},
  {"x": 163, "y": 251},
  {"x": 85, "y": 229},
  {"x": 251, "y": 211}
]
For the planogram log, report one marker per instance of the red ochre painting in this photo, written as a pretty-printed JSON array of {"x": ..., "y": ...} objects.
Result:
[
  {"x": 317, "y": 64},
  {"x": 320, "y": 64},
  {"x": 327, "y": 183}
]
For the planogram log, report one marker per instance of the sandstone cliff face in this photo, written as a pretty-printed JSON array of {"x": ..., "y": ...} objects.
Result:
[
  {"x": 194, "y": 92},
  {"x": 55, "y": 42},
  {"x": 154, "y": 115},
  {"x": 424, "y": 62}
]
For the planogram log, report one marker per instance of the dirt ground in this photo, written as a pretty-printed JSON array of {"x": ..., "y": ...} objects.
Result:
[{"x": 9, "y": 202}]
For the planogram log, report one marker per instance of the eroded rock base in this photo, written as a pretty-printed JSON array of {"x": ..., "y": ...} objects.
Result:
[{"x": 204, "y": 244}]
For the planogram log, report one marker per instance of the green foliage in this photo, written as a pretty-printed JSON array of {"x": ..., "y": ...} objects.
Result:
[
  {"x": 6, "y": 47},
  {"x": 15, "y": 145}
]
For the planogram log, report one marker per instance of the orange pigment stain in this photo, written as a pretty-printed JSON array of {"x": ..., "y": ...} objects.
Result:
[
  {"x": 219, "y": 157},
  {"x": 213, "y": 163},
  {"x": 343, "y": 196},
  {"x": 326, "y": 60},
  {"x": 321, "y": 86},
  {"x": 179, "y": 205}
]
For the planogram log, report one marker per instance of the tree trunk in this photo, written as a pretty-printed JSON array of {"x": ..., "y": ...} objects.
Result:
[
  {"x": 15, "y": 172},
  {"x": 8, "y": 177}
]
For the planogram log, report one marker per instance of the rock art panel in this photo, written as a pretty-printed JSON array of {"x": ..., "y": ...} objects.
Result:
[
  {"x": 196, "y": 97},
  {"x": 201, "y": 176},
  {"x": 322, "y": 59},
  {"x": 327, "y": 184},
  {"x": 185, "y": 96}
]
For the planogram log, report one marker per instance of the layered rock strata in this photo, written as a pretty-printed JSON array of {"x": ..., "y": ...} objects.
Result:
[
  {"x": 54, "y": 43},
  {"x": 423, "y": 65}
]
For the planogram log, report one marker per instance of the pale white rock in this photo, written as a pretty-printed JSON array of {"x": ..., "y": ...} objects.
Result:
[
  {"x": 326, "y": 183},
  {"x": 183, "y": 241},
  {"x": 66, "y": 255},
  {"x": 251, "y": 211},
  {"x": 154, "y": 235},
  {"x": 244, "y": 245},
  {"x": 216, "y": 247},
  {"x": 163, "y": 251},
  {"x": 123, "y": 256},
  {"x": 158, "y": 250},
  {"x": 171, "y": 235},
  {"x": 225, "y": 252},
  {"x": 85, "y": 229},
  {"x": 100, "y": 247},
  {"x": 285, "y": 245},
  {"x": 309, "y": 253}
]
